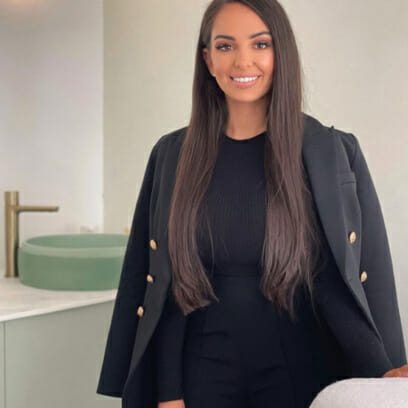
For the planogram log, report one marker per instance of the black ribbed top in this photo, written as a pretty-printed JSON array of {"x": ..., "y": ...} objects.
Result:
[
  {"x": 230, "y": 236},
  {"x": 232, "y": 216}
]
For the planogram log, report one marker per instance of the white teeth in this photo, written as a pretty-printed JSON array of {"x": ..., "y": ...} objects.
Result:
[{"x": 247, "y": 79}]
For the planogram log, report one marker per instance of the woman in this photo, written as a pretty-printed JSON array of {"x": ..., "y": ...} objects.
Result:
[{"x": 273, "y": 228}]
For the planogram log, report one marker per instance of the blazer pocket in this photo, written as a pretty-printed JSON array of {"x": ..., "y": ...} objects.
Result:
[{"x": 345, "y": 177}]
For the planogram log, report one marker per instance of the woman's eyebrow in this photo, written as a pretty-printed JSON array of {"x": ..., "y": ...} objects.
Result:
[{"x": 229, "y": 37}]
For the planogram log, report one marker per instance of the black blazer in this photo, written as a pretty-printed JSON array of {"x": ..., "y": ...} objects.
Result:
[{"x": 352, "y": 221}]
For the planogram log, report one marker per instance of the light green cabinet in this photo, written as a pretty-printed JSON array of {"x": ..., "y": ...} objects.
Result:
[
  {"x": 2, "y": 393},
  {"x": 54, "y": 360}
]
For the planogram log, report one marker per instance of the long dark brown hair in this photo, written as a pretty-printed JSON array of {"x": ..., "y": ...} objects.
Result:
[{"x": 289, "y": 250}]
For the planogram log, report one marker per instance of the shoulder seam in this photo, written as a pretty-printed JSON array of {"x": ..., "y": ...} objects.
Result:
[
  {"x": 169, "y": 135},
  {"x": 355, "y": 142}
]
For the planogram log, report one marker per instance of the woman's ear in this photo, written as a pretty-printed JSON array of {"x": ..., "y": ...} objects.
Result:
[{"x": 207, "y": 59}]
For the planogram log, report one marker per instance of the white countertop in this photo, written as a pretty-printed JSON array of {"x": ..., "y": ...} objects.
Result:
[{"x": 18, "y": 300}]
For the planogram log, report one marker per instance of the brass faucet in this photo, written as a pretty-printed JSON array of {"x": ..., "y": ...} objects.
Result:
[{"x": 12, "y": 210}]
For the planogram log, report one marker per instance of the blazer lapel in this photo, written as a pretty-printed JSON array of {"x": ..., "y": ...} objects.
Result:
[{"x": 320, "y": 160}]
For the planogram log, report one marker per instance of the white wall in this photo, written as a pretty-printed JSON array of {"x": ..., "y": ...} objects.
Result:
[
  {"x": 51, "y": 129},
  {"x": 149, "y": 49},
  {"x": 355, "y": 58}
]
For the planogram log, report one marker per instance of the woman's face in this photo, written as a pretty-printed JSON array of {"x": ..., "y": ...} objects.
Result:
[{"x": 233, "y": 53}]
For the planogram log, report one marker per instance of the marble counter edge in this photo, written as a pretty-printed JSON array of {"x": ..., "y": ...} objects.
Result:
[
  {"x": 57, "y": 308},
  {"x": 21, "y": 301}
]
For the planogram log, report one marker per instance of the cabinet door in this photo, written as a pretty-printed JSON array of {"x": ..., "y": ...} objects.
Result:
[
  {"x": 2, "y": 393},
  {"x": 53, "y": 360}
]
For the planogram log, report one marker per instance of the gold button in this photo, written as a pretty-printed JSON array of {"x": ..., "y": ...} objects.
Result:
[
  {"x": 149, "y": 278},
  {"x": 363, "y": 276},
  {"x": 140, "y": 311},
  {"x": 153, "y": 244},
  {"x": 352, "y": 237}
]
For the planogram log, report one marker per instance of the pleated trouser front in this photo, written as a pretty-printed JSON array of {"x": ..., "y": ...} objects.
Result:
[{"x": 241, "y": 353}]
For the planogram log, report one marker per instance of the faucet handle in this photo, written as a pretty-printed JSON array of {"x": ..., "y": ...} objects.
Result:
[{"x": 36, "y": 208}]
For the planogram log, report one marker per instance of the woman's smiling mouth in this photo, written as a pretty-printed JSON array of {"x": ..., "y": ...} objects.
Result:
[{"x": 245, "y": 82}]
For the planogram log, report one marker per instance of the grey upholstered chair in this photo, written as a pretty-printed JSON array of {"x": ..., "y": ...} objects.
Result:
[{"x": 363, "y": 393}]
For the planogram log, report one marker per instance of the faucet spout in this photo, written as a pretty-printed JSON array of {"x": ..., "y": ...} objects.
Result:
[{"x": 12, "y": 210}]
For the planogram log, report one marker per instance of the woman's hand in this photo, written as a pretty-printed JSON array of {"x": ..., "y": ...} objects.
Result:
[
  {"x": 398, "y": 372},
  {"x": 172, "y": 404}
]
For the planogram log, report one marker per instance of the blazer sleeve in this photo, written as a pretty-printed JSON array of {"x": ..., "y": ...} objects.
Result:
[
  {"x": 365, "y": 353},
  {"x": 130, "y": 294},
  {"x": 376, "y": 261}
]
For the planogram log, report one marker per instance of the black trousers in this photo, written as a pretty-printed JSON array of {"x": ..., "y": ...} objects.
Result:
[{"x": 240, "y": 353}]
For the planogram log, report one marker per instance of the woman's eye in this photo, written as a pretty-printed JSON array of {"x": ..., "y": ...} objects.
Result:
[
  {"x": 267, "y": 44},
  {"x": 221, "y": 46},
  {"x": 264, "y": 44}
]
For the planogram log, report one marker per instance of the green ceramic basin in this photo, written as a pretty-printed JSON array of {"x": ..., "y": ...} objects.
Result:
[{"x": 72, "y": 262}]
